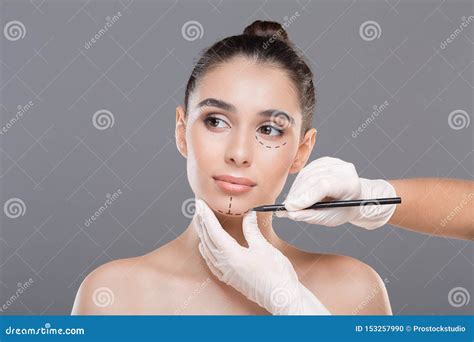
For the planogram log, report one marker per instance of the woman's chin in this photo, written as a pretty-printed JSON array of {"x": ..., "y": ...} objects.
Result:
[
  {"x": 231, "y": 211},
  {"x": 231, "y": 206}
]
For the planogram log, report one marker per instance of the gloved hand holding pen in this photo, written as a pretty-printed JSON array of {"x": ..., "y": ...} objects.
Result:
[
  {"x": 334, "y": 179},
  {"x": 260, "y": 272}
]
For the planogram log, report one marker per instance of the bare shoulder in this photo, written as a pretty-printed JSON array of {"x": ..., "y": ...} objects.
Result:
[
  {"x": 346, "y": 285},
  {"x": 116, "y": 287}
]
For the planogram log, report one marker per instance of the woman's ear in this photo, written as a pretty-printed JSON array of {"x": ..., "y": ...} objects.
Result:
[
  {"x": 180, "y": 131},
  {"x": 304, "y": 151}
]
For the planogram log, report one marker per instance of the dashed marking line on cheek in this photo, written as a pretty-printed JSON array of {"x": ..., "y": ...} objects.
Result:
[
  {"x": 229, "y": 209},
  {"x": 269, "y": 146}
]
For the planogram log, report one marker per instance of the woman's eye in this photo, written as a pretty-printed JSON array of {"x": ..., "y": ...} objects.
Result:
[
  {"x": 215, "y": 122},
  {"x": 270, "y": 130}
]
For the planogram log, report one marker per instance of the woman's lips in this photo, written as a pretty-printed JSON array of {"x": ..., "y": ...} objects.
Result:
[{"x": 234, "y": 185}]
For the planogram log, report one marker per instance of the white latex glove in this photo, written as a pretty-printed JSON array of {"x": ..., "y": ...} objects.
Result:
[
  {"x": 338, "y": 180},
  {"x": 260, "y": 272}
]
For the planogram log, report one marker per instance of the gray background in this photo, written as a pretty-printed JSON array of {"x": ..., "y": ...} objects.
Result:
[{"x": 62, "y": 167}]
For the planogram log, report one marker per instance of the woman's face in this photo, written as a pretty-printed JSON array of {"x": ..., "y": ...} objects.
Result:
[{"x": 242, "y": 136}]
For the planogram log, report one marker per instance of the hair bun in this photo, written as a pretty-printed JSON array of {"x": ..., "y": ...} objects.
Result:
[{"x": 267, "y": 29}]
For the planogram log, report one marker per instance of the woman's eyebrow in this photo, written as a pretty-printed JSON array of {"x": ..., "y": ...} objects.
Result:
[
  {"x": 211, "y": 102},
  {"x": 277, "y": 113},
  {"x": 217, "y": 103}
]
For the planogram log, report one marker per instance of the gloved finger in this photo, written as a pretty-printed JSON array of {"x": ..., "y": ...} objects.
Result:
[
  {"x": 321, "y": 167},
  {"x": 204, "y": 235},
  {"x": 281, "y": 213},
  {"x": 325, "y": 217},
  {"x": 325, "y": 162},
  {"x": 207, "y": 254},
  {"x": 252, "y": 232},
  {"x": 218, "y": 273},
  {"x": 311, "y": 194},
  {"x": 336, "y": 178},
  {"x": 221, "y": 239}
]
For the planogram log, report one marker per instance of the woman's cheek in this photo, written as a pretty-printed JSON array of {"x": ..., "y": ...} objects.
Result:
[
  {"x": 273, "y": 169},
  {"x": 203, "y": 155}
]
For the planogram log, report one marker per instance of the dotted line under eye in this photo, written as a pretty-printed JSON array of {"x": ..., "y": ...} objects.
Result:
[
  {"x": 230, "y": 206},
  {"x": 269, "y": 146}
]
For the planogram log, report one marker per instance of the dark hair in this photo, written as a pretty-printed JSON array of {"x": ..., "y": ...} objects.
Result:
[{"x": 264, "y": 42}]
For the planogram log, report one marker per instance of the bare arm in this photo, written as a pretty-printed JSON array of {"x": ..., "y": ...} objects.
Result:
[{"x": 435, "y": 206}]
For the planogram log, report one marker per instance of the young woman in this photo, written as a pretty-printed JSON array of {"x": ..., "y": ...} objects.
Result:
[{"x": 244, "y": 127}]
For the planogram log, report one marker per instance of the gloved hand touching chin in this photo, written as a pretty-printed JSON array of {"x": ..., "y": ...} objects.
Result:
[{"x": 260, "y": 272}]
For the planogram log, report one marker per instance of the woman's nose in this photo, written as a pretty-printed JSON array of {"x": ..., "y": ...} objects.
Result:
[{"x": 239, "y": 150}]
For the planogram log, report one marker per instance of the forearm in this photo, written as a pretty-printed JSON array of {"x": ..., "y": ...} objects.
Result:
[{"x": 437, "y": 206}]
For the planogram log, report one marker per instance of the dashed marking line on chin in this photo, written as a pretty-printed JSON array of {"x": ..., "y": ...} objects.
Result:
[
  {"x": 229, "y": 210},
  {"x": 269, "y": 146}
]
